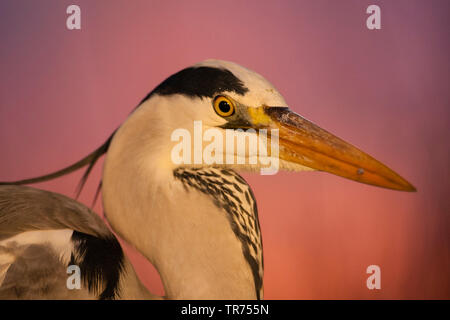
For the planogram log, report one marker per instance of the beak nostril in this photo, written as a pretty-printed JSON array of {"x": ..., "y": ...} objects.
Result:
[{"x": 360, "y": 171}]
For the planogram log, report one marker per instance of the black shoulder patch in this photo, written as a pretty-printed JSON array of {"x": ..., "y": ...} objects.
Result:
[
  {"x": 101, "y": 262},
  {"x": 200, "y": 82}
]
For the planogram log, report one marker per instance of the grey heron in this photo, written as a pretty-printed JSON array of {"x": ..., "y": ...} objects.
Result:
[{"x": 196, "y": 223}]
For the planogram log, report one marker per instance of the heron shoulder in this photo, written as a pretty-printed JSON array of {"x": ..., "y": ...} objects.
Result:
[{"x": 41, "y": 234}]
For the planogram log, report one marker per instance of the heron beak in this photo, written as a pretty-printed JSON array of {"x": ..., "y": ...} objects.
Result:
[{"x": 304, "y": 143}]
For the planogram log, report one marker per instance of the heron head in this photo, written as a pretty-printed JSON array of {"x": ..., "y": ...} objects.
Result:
[{"x": 208, "y": 109}]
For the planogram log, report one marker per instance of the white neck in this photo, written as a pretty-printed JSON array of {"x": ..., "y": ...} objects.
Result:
[{"x": 181, "y": 231}]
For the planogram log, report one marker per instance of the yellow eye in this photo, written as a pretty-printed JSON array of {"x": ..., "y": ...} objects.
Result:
[{"x": 223, "y": 106}]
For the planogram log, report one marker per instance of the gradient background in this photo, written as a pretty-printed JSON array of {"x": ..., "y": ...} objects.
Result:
[{"x": 387, "y": 91}]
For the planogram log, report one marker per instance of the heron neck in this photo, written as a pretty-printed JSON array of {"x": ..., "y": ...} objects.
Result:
[
  {"x": 187, "y": 237},
  {"x": 190, "y": 242}
]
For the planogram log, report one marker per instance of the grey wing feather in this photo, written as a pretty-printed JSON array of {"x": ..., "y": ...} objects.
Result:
[
  {"x": 32, "y": 267},
  {"x": 24, "y": 209}
]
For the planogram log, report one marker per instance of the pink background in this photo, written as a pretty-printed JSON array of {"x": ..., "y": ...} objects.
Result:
[{"x": 63, "y": 92}]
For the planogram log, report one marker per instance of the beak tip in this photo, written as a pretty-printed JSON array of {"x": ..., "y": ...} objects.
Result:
[{"x": 406, "y": 186}]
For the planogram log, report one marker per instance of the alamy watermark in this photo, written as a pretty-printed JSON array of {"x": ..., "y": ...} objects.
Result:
[
  {"x": 73, "y": 21},
  {"x": 74, "y": 278},
  {"x": 234, "y": 146},
  {"x": 374, "y": 280},
  {"x": 373, "y": 22}
]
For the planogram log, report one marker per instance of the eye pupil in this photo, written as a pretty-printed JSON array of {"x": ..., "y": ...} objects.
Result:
[{"x": 224, "y": 106}]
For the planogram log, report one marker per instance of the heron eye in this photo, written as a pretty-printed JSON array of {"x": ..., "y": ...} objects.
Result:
[{"x": 223, "y": 106}]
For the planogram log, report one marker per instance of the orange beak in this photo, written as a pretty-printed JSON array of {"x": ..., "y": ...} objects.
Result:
[{"x": 304, "y": 143}]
